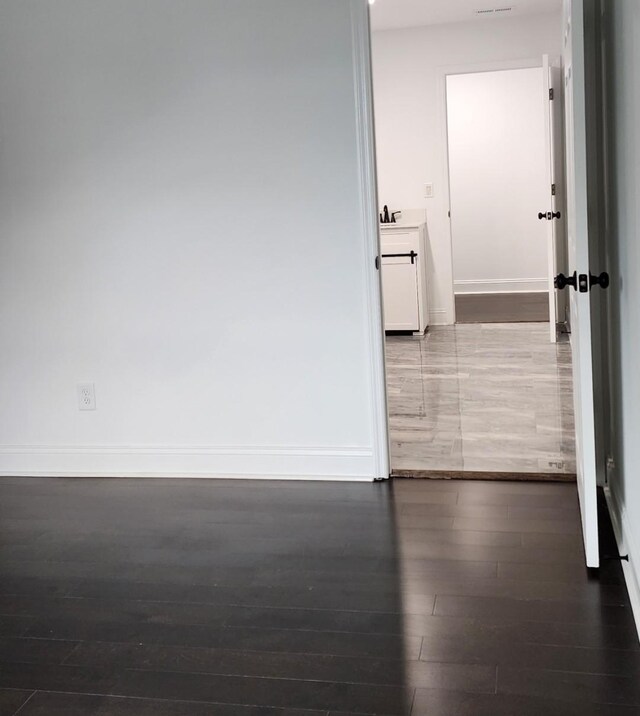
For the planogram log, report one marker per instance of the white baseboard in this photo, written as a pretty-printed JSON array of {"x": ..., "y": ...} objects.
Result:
[
  {"x": 626, "y": 545},
  {"x": 440, "y": 317},
  {"x": 273, "y": 463},
  {"x": 187, "y": 476},
  {"x": 505, "y": 285}
]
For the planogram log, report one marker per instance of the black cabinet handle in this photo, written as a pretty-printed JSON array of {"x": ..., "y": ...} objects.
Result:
[{"x": 413, "y": 256}]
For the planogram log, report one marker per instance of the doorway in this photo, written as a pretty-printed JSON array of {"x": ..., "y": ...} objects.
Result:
[
  {"x": 406, "y": 66},
  {"x": 489, "y": 393},
  {"x": 497, "y": 186}
]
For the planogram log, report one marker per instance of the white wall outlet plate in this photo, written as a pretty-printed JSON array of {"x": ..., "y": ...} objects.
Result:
[
  {"x": 428, "y": 191},
  {"x": 86, "y": 396}
]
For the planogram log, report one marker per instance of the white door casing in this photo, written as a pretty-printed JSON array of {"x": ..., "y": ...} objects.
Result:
[
  {"x": 553, "y": 101},
  {"x": 365, "y": 127}
]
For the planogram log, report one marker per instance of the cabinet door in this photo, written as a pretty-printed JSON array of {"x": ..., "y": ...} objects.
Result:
[{"x": 400, "y": 294}]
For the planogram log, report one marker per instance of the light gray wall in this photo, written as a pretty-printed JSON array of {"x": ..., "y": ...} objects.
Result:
[
  {"x": 623, "y": 56},
  {"x": 181, "y": 222}
]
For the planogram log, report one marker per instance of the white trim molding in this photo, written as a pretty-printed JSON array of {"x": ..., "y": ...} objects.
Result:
[
  {"x": 626, "y": 546},
  {"x": 363, "y": 86},
  {"x": 502, "y": 285},
  {"x": 206, "y": 461}
]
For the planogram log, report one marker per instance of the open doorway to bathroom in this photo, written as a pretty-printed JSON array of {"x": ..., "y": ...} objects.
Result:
[
  {"x": 479, "y": 372},
  {"x": 497, "y": 159}
]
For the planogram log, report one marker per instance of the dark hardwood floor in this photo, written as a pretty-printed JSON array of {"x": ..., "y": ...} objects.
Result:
[{"x": 198, "y": 598}]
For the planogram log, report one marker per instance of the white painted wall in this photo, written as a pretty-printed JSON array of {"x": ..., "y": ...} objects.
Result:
[
  {"x": 498, "y": 180},
  {"x": 623, "y": 46},
  {"x": 409, "y": 68},
  {"x": 181, "y": 222}
]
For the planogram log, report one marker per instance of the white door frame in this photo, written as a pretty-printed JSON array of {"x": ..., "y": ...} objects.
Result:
[
  {"x": 553, "y": 97},
  {"x": 363, "y": 83},
  {"x": 368, "y": 181}
]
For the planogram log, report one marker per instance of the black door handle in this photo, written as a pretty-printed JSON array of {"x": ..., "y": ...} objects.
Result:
[
  {"x": 561, "y": 281},
  {"x": 582, "y": 283},
  {"x": 602, "y": 280},
  {"x": 549, "y": 215}
]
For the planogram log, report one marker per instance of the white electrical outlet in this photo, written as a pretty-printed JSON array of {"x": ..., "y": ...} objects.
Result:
[
  {"x": 86, "y": 396},
  {"x": 428, "y": 191}
]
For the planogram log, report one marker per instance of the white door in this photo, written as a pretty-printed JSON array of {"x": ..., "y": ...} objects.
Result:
[
  {"x": 554, "y": 213},
  {"x": 578, "y": 261},
  {"x": 498, "y": 181}
]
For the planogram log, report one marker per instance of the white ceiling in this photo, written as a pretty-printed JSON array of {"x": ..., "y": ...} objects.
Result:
[{"x": 390, "y": 14}]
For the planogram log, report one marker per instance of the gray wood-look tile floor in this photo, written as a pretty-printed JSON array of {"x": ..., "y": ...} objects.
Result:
[
  {"x": 481, "y": 398},
  {"x": 215, "y": 598}
]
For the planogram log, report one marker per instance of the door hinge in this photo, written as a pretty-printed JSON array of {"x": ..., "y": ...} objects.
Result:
[
  {"x": 553, "y": 190},
  {"x": 551, "y": 93}
]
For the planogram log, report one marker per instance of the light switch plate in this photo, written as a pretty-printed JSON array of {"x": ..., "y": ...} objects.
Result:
[{"x": 428, "y": 191}]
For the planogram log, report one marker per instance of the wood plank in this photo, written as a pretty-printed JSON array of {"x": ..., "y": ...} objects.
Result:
[{"x": 176, "y": 598}]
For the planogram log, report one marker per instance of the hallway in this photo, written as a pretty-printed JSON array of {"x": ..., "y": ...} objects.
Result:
[
  {"x": 491, "y": 397},
  {"x": 221, "y": 598}
]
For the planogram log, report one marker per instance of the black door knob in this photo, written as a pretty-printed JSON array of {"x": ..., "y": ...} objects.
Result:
[
  {"x": 549, "y": 215},
  {"x": 602, "y": 280},
  {"x": 561, "y": 281}
]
